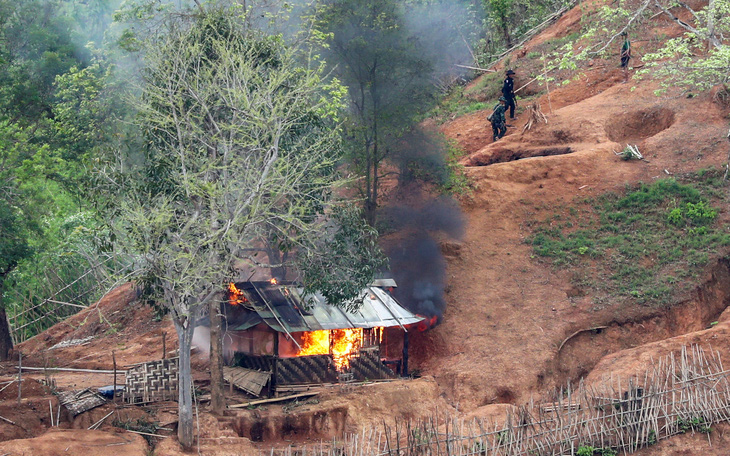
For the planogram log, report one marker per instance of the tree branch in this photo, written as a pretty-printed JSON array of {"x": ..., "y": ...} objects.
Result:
[
  {"x": 625, "y": 28},
  {"x": 711, "y": 38}
]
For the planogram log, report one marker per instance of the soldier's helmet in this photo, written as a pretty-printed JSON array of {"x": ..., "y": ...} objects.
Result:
[
  {"x": 502, "y": 99},
  {"x": 510, "y": 72}
]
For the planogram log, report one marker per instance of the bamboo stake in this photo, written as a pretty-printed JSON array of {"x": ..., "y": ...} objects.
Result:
[
  {"x": 98, "y": 423},
  {"x": 20, "y": 375}
]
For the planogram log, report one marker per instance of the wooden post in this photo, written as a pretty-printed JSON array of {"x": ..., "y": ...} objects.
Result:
[
  {"x": 114, "y": 367},
  {"x": 20, "y": 374},
  {"x": 275, "y": 362},
  {"x": 164, "y": 346},
  {"x": 217, "y": 393},
  {"x": 404, "y": 368}
]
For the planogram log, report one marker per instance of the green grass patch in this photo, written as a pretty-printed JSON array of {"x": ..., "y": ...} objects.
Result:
[
  {"x": 643, "y": 244},
  {"x": 461, "y": 100},
  {"x": 488, "y": 86},
  {"x": 456, "y": 183}
]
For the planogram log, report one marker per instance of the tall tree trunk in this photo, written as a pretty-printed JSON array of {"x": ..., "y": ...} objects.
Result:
[
  {"x": 217, "y": 399},
  {"x": 506, "y": 34},
  {"x": 6, "y": 342},
  {"x": 369, "y": 205},
  {"x": 185, "y": 385}
]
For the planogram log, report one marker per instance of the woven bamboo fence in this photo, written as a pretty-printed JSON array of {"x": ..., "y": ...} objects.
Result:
[{"x": 687, "y": 391}]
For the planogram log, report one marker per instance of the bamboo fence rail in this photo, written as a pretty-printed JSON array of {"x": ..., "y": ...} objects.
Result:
[{"x": 686, "y": 391}]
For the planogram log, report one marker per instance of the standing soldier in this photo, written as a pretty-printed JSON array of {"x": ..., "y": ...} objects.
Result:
[
  {"x": 625, "y": 50},
  {"x": 499, "y": 123},
  {"x": 508, "y": 92}
]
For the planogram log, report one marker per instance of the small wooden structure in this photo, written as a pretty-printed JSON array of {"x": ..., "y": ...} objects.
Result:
[
  {"x": 152, "y": 381},
  {"x": 77, "y": 402},
  {"x": 248, "y": 380},
  {"x": 270, "y": 323}
]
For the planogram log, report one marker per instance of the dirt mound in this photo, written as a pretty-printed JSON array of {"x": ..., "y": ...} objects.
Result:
[
  {"x": 29, "y": 388},
  {"x": 31, "y": 416},
  {"x": 693, "y": 444},
  {"x": 61, "y": 442},
  {"x": 634, "y": 361}
]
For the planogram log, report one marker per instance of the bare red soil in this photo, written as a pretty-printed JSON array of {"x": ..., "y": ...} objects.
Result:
[{"x": 513, "y": 326}]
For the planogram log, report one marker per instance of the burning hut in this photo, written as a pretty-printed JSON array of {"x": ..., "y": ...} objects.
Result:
[{"x": 274, "y": 331}]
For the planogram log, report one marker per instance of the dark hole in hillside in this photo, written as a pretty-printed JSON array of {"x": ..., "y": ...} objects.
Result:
[
  {"x": 507, "y": 155},
  {"x": 505, "y": 396},
  {"x": 257, "y": 431},
  {"x": 636, "y": 126}
]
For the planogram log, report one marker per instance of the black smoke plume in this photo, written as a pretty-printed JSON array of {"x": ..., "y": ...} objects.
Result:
[{"x": 416, "y": 261}]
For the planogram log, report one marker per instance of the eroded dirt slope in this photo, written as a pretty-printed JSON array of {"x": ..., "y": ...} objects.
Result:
[{"x": 507, "y": 313}]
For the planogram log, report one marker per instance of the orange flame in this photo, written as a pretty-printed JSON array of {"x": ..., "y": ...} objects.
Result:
[
  {"x": 235, "y": 296},
  {"x": 274, "y": 281},
  {"x": 315, "y": 343},
  {"x": 343, "y": 345},
  {"x": 428, "y": 323}
]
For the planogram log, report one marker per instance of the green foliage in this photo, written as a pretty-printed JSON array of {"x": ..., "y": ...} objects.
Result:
[
  {"x": 696, "y": 424},
  {"x": 627, "y": 154},
  {"x": 699, "y": 59},
  {"x": 636, "y": 238},
  {"x": 698, "y": 214},
  {"x": 37, "y": 45},
  {"x": 68, "y": 265},
  {"x": 388, "y": 79},
  {"x": 507, "y": 20},
  {"x": 47, "y": 241},
  {"x": 139, "y": 425},
  {"x": 346, "y": 256},
  {"x": 651, "y": 440},
  {"x": 587, "y": 450},
  {"x": 456, "y": 182},
  {"x": 461, "y": 100},
  {"x": 13, "y": 240}
]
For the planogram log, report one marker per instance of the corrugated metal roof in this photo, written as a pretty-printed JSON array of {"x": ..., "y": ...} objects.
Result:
[{"x": 283, "y": 309}]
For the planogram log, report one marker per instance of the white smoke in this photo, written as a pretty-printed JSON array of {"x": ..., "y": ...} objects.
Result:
[{"x": 201, "y": 340}]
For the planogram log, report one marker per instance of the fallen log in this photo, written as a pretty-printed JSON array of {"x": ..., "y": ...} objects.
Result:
[
  {"x": 67, "y": 369},
  {"x": 274, "y": 399}
]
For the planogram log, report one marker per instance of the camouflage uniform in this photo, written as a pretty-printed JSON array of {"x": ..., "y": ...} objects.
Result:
[{"x": 499, "y": 123}]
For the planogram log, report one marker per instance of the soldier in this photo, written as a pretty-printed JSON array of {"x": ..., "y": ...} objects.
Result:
[
  {"x": 508, "y": 92},
  {"x": 499, "y": 123},
  {"x": 625, "y": 50}
]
